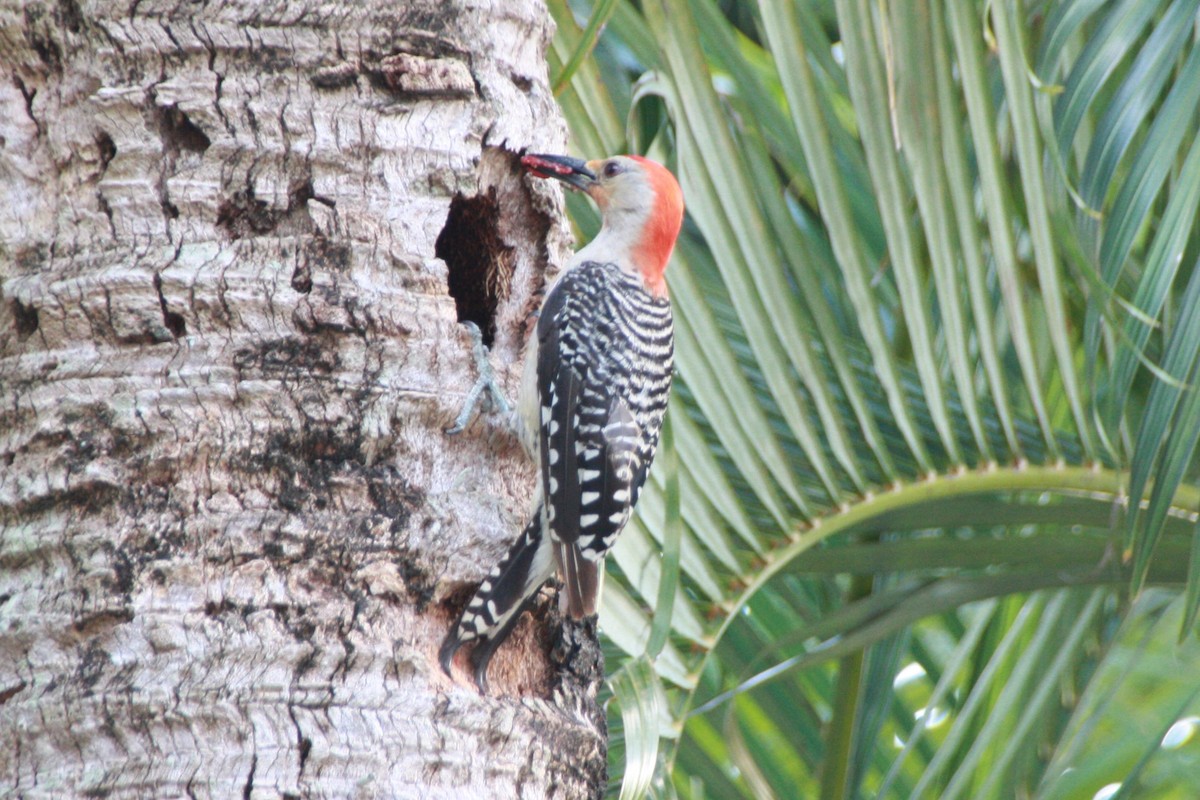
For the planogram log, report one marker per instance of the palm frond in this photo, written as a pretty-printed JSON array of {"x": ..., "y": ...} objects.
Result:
[{"x": 936, "y": 325}]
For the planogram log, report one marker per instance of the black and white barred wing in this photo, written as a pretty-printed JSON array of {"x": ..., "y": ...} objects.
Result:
[{"x": 592, "y": 444}]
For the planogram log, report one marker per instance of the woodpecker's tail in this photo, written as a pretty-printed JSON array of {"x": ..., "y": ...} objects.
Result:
[
  {"x": 580, "y": 580},
  {"x": 500, "y": 599}
]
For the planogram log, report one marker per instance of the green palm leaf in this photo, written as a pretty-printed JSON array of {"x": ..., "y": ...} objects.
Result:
[{"x": 936, "y": 316}]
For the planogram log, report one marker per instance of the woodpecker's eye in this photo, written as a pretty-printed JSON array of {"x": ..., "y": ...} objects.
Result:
[{"x": 612, "y": 169}]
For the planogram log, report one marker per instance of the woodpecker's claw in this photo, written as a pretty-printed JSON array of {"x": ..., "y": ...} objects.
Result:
[
  {"x": 446, "y": 654},
  {"x": 486, "y": 390},
  {"x": 478, "y": 658}
]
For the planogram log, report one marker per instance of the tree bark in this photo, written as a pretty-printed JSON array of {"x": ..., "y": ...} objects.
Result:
[{"x": 232, "y": 533}]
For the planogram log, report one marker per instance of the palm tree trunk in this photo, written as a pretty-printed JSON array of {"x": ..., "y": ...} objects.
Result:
[{"x": 232, "y": 533}]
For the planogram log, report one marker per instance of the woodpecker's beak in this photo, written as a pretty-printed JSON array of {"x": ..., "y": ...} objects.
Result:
[{"x": 571, "y": 171}]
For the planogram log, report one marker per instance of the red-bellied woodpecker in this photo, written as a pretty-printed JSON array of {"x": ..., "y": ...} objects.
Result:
[{"x": 593, "y": 394}]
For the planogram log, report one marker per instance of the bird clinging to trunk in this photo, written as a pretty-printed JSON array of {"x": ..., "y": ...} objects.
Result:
[{"x": 593, "y": 394}]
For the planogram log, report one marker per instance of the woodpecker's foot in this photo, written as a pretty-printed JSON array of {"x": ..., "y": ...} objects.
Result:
[
  {"x": 478, "y": 658},
  {"x": 486, "y": 391},
  {"x": 450, "y": 646},
  {"x": 483, "y": 645}
]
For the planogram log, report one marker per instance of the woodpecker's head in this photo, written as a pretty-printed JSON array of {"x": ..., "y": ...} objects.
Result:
[{"x": 641, "y": 203}]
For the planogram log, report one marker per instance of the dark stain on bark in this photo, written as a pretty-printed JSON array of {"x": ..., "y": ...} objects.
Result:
[
  {"x": 88, "y": 497},
  {"x": 214, "y": 610},
  {"x": 39, "y": 30},
  {"x": 106, "y": 148},
  {"x": 294, "y": 620},
  {"x": 31, "y": 258},
  {"x": 522, "y": 82},
  {"x": 124, "y": 573},
  {"x": 420, "y": 584},
  {"x": 305, "y": 749},
  {"x": 29, "y": 93},
  {"x": 25, "y": 319},
  {"x": 92, "y": 625},
  {"x": 173, "y": 320},
  {"x": 392, "y": 496},
  {"x": 271, "y": 59},
  {"x": 93, "y": 432},
  {"x": 249, "y": 787},
  {"x": 10, "y": 692},
  {"x": 308, "y": 468},
  {"x": 303, "y": 458},
  {"x": 151, "y": 546},
  {"x": 83, "y": 435},
  {"x": 70, "y": 16},
  {"x": 242, "y": 214},
  {"x": 319, "y": 254},
  {"x": 306, "y": 663},
  {"x": 306, "y": 461},
  {"x": 93, "y": 661},
  {"x": 289, "y": 358}
]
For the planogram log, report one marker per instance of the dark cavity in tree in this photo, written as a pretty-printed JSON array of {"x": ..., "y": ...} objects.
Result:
[
  {"x": 179, "y": 132},
  {"x": 479, "y": 261}
]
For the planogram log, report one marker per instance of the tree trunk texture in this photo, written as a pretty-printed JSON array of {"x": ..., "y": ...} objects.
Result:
[{"x": 236, "y": 243}]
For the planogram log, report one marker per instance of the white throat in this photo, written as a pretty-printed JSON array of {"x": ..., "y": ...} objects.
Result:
[
  {"x": 621, "y": 232},
  {"x": 609, "y": 247}
]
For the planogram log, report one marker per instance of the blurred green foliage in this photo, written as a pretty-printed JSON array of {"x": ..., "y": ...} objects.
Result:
[{"x": 936, "y": 316}]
